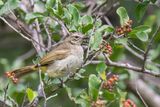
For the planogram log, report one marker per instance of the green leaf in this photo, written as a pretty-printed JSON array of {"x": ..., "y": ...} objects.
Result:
[
  {"x": 122, "y": 96},
  {"x": 9, "y": 6},
  {"x": 39, "y": 7},
  {"x": 53, "y": 12},
  {"x": 75, "y": 14},
  {"x": 69, "y": 92},
  {"x": 98, "y": 23},
  {"x": 108, "y": 96},
  {"x": 101, "y": 67},
  {"x": 96, "y": 40},
  {"x": 94, "y": 84},
  {"x": 83, "y": 103},
  {"x": 121, "y": 11},
  {"x": 79, "y": 5},
  {"x": 86, "y": 20},
  {"x": 153, "y": 1},
  {"x": 141, "y": 28},
  {"x": 140, "y": 10},
  {"x": 50, "y": 3},
  {"x": 157, "y": 17},
  {"x": 87, "y": 23},
  {"x": 153, "y": 67},
  {"x": 18, "y": 97},
  {"x": 106, "y": 28},
  {"x": 31, "y": 94},
  {"x": 150, "y": 20},
  {"x": 83, "y": 99},
  {"x": 60, "y": 8},
  {"x": 32, "y": 16},
  {"x": 86, "y": 28},
  {"x": 154, "y": 53},
  {"x": 121, "y": 41},
  {"x": 67, "y": 16},
  {"x": 143, "y": 36},
  {"x": 1, "y": 2}
]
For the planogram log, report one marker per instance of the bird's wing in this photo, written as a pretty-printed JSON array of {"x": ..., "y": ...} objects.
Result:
[{"x": 54, "y": 55}]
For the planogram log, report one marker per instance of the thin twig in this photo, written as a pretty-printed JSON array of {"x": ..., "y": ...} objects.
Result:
[
  {"x": 39, "y": 36},
  {"x": 140, "y": 96},
  {"x": 98, "y": 7},
  {"x": 133, "y": 52},
  {"x": 137, "y": 48},
  {"x": 5, "y": 95},
  {"x": 14, "y": 103},
  {"x": 36, "y": 38},
  {"x": 14, "y": 28},
  {"x": 64, "y": 28},
  {"x": 41, "y": 90},
  {"x": 148, "y": 48},
  {"x": 107, "y": 21},
  {"x": 24, "y": 99},
  {"x": 22, "y": 28},
  {"x": 52, "y": 96},
  {"x": 91, "y": 6},
  {"x": 49, "y": 45}
]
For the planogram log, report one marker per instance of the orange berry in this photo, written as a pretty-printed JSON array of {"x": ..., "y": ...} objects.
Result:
[
  {"x": 111, "y": 79},
  {"x": 126, "y": 104},
  {"x": 109, "y": 82},
  {"x": 15, "y": 80},
  {"x": 8, "y": 74}
]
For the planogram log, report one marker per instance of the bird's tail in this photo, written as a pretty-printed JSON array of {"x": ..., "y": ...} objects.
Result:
[{"x": 17, "y": 73}]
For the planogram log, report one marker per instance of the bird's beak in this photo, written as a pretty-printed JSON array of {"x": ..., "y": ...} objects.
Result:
[
  {"x": 85, "y": 40},
  {"x": 85, "y": 37}
]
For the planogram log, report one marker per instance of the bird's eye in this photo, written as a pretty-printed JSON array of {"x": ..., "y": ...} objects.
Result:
[{"x": 76, "y": 37}]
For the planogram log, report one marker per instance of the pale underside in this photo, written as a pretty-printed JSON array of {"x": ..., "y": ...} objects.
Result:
[
  {"x": 64, "y": 67},
  {"x": 65, "y": 60}
]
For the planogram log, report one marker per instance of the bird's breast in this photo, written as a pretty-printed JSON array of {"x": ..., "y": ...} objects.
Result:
[{"x": 67, "y": 65}]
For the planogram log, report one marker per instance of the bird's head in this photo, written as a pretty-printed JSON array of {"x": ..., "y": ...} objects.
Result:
[{"x": 75, "y": 38}]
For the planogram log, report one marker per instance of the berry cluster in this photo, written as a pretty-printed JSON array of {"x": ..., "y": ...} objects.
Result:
[
  {"x": 98, "y": 103},
  {"x": 106, "y": 48},
  {"x": 12, "y": 76},
  {"x": 128, "y": 103},
  {"x": 110, "y": 83},
  {"x": 125, "y": 28}
]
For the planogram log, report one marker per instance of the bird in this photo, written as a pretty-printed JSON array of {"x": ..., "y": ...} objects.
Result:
[{"x": 63, "y": 60}]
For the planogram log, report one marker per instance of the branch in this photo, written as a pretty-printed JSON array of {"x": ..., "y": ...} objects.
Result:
[
  {"x": 130, "y": 67},
  {"x": 139, "y": 56},
  {"x": 148, "y": 48},
  {"x": 36, "y": 36}
]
